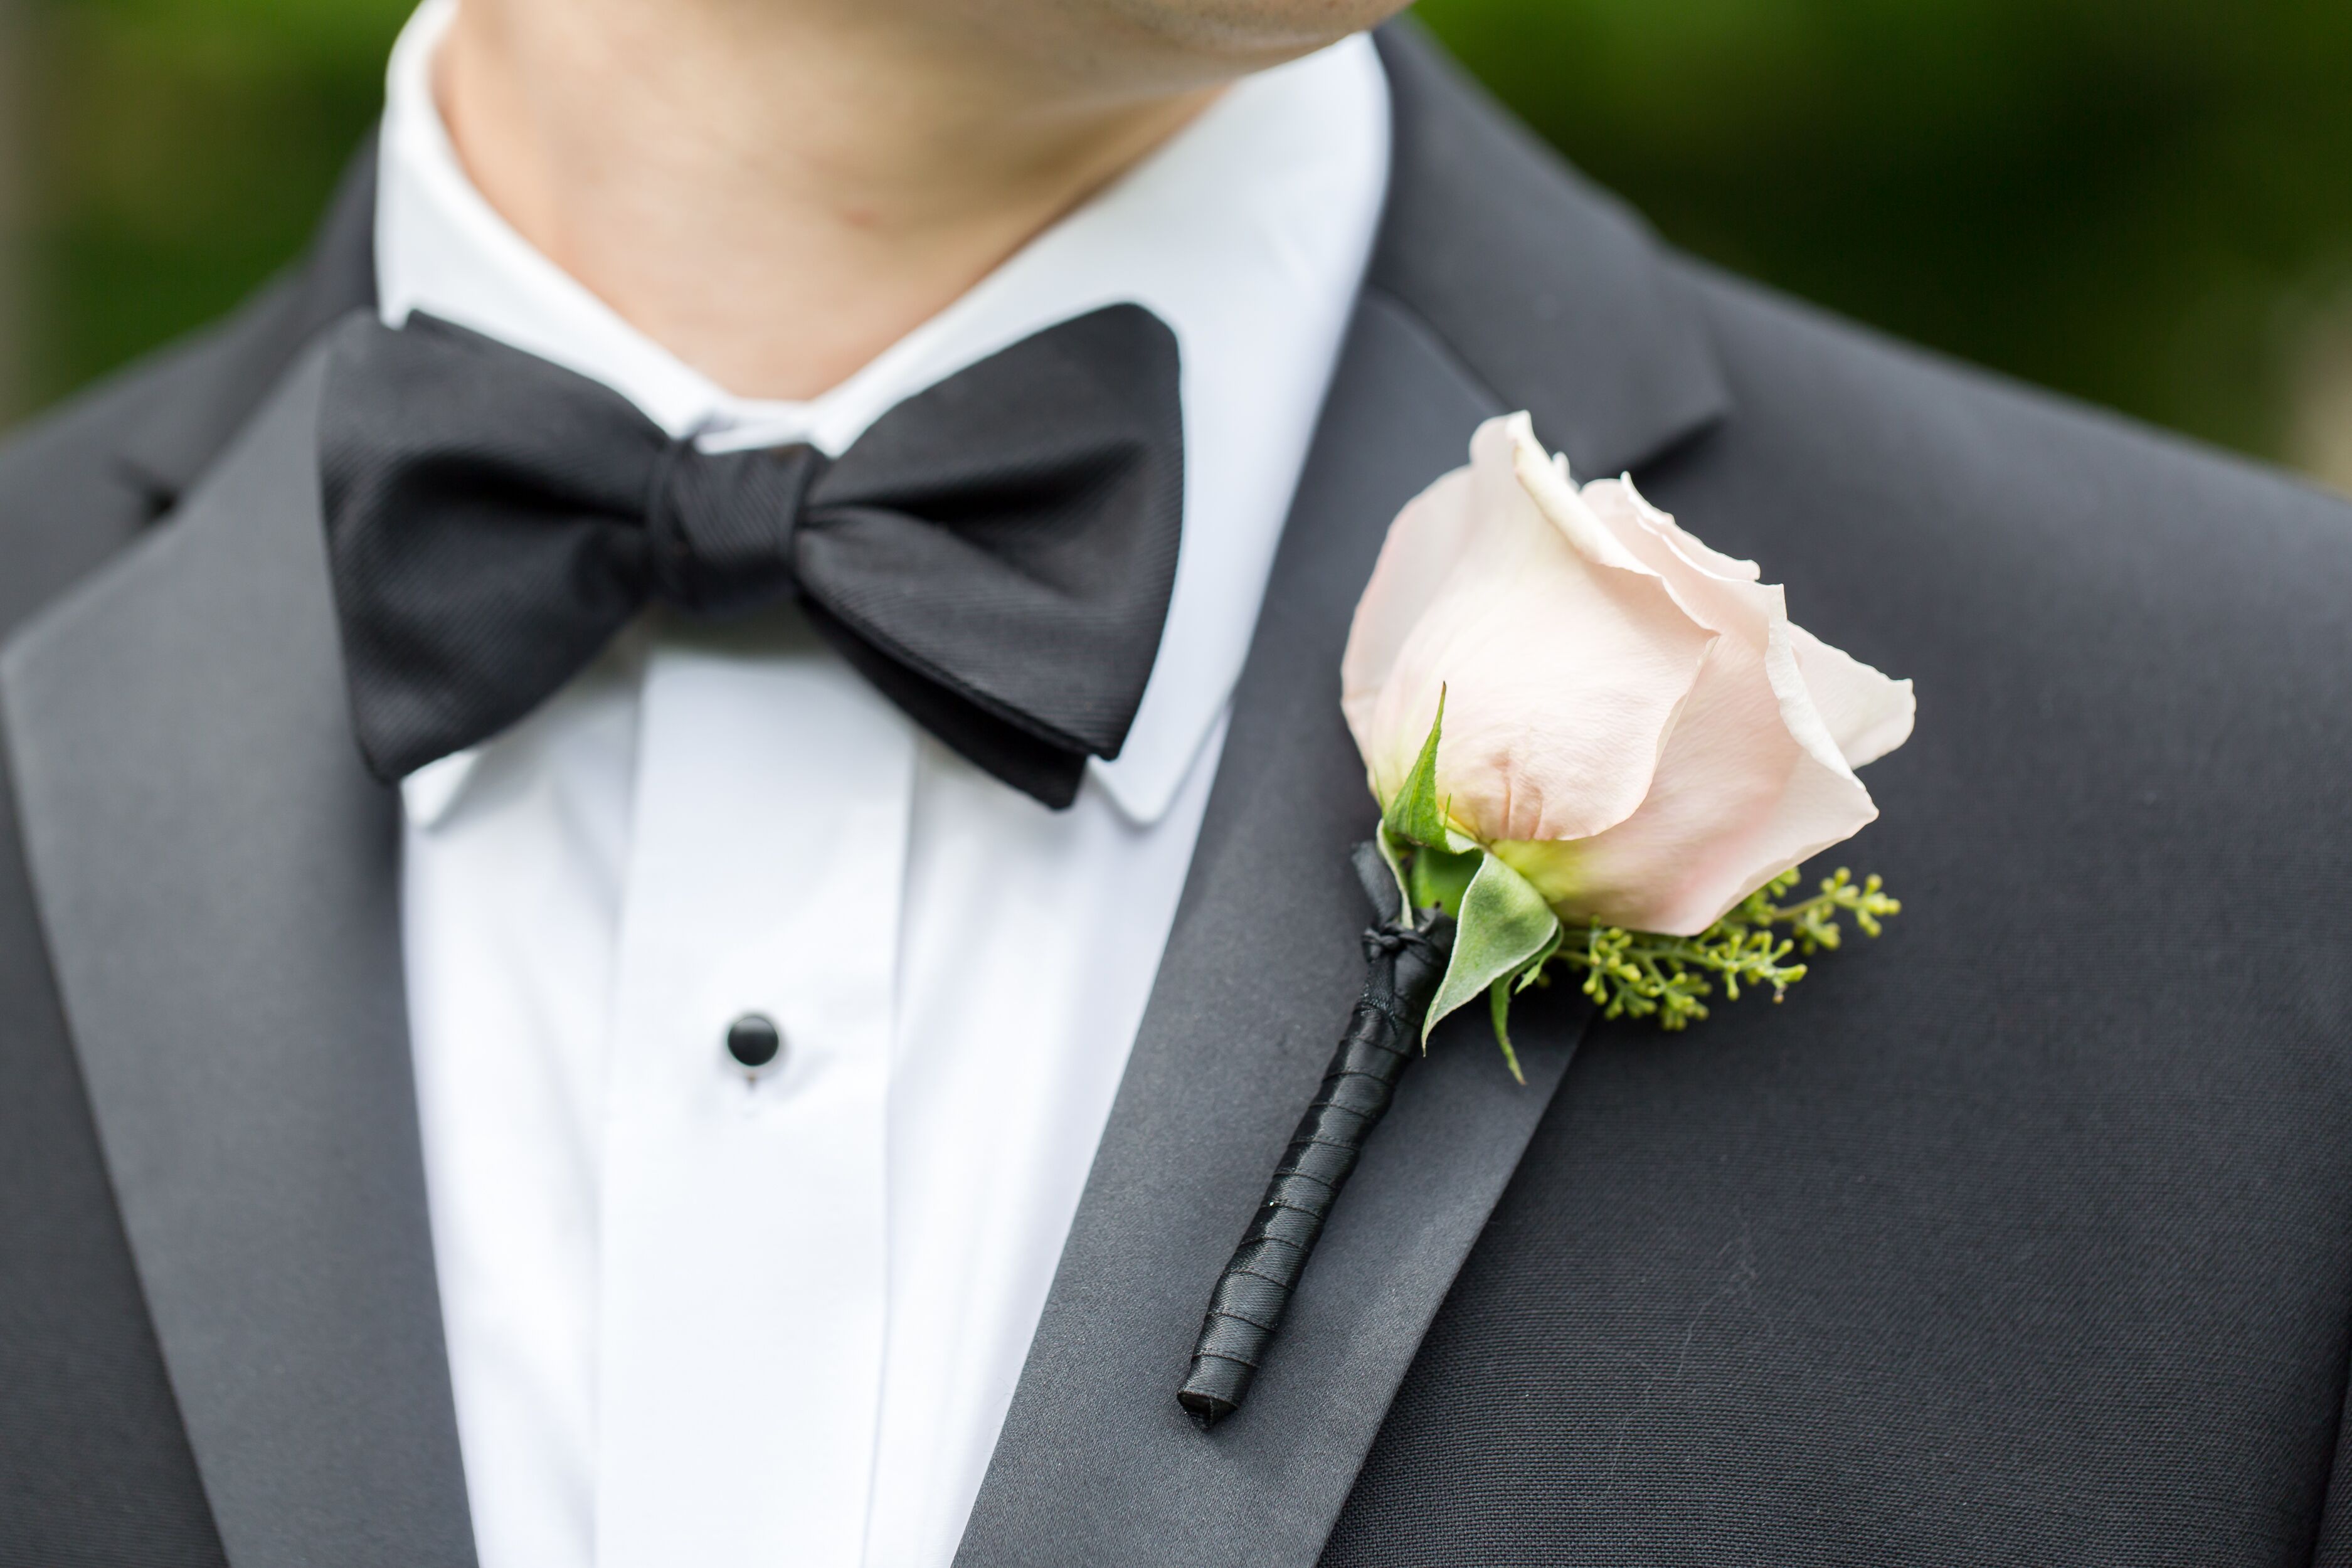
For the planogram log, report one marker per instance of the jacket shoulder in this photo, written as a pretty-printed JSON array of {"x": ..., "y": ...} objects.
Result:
[{"x": 1965, "y": 444}]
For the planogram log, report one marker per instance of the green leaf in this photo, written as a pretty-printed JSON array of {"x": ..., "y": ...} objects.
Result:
[
  {"x": 1415, "y": 814},
  {"x": 1533, "y": 970},
  {"x": 1503, "y": 926},
  {"x": 1499, "y": 1002},
  {"x": 1500, "y": 995}
]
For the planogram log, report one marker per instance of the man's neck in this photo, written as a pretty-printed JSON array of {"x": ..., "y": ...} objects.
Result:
[{"x": 776, "y": 192}]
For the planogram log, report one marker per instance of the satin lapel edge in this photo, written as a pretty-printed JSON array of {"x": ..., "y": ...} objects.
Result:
[
  {"x": 1096, "y": 1463},
  {"x": 217, "y": 880}
]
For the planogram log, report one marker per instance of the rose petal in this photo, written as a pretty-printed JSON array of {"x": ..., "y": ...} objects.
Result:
[
  {"x": 1565, "y": 658},
  {"x": 1752, "y": 781},
  {"x": 1868, "y": 714},
  {"x": 1633, "y": 722},
  {"x": 1424, "y": 542}
]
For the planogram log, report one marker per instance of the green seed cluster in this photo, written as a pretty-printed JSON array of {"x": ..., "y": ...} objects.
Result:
[{"x": 1641, "y": 975}]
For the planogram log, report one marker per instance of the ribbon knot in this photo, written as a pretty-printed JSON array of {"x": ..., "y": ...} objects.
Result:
[{"x": 720, "y": 526}]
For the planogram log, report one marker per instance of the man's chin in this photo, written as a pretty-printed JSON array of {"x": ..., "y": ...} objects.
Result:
[{"x": 1253, "y": 34}]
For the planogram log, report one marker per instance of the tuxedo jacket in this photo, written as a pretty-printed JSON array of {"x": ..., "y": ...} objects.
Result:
[{"x": 2021, "y": 1235}]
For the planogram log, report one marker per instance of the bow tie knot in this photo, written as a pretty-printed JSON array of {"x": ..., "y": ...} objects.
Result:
[{"x": 720, "y": 526}]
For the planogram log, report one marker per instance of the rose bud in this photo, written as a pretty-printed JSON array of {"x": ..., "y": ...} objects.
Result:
[{"x": 1631, "y": 722}]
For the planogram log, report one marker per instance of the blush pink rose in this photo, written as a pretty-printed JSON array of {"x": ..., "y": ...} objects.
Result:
[{"x": 1632, "y": 721}]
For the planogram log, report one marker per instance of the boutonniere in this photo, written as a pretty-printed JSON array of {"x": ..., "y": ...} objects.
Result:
[{"x": 1600, "y": 750}]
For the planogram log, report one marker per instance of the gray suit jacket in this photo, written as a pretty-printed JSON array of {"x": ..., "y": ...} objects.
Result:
[{"x": 2022, "y": 1236}]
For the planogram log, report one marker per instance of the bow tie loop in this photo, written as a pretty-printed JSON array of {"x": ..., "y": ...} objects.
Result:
[{"x": 720, "y": 526}]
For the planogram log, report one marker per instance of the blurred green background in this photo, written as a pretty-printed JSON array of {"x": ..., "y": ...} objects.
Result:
[{"x": 2147, "y": 203}]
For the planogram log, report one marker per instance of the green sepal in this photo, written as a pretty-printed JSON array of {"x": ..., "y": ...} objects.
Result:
[
  {"x": 1414, "y": 814},
  {"x": 1503, "y": 926},
  {"x": 1438, "y": 878}
]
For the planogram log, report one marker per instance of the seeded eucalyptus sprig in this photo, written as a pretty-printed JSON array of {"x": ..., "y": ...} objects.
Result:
[{"x": 1641, "y": 975}]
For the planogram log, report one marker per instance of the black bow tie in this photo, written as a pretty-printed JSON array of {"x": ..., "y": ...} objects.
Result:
[{"x": 994, "y": 554}]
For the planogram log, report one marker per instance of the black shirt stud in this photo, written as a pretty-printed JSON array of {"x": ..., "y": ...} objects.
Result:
[{"x": 755, "y": 1042}]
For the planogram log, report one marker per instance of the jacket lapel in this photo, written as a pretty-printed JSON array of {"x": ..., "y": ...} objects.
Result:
[
  {"x": 1498, "y": 282},
  {"x": 216, "y": 878}
]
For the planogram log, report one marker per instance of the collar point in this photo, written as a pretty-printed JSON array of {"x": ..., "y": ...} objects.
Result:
[
  {"x": 430, "y": 794},
  {"x": 1144, "y": 780}
]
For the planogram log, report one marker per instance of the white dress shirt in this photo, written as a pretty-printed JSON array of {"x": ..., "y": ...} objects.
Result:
[{"x": 700, "y": 1318}]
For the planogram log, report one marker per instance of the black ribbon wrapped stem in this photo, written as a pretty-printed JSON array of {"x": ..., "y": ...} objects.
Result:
[{"x": 1403, "y": 964}]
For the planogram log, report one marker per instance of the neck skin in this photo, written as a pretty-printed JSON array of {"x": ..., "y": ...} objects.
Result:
[{"x": 777, "y": 190}]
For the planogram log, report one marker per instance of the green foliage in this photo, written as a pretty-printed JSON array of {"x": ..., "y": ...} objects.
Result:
[
  {"x": 1438, "y": 878},
  {"x": 1414, "y": 837},
  {"x": 1507, "y": 939},
  {"x": 1502, "y": 928},
  {"x": 1500, "y": 995},
  {"x": 1641, "y": 975},
  {"x": 179, "y": 152},
  {"x": 1414, "y": 814},
  {"x": 2139, "y": 202}
]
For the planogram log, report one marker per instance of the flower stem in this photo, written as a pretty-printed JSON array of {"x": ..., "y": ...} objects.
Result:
[{"x": 1403, "y": 968}]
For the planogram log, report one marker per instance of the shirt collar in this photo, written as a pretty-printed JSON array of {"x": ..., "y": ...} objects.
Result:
[{"x": 1248, "y": 233}]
